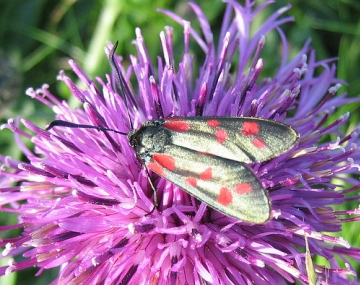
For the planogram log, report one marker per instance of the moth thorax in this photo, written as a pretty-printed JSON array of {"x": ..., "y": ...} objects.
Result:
[{"x": 148, "y": 140}]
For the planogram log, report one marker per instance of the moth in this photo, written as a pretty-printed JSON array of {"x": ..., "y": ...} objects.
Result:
[{"x": 208, "y": 157}]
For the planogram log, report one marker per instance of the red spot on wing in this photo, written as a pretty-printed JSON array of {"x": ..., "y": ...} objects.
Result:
[
  {"x": 221, "y": 136},
  {"x": 206, "y": 174},
  {"x": 225, "y": 196},
  {"x": 250, "y": 128},
  {"x": 165, "y": 160},
  {"x": 177, "y": 125},
  {"x": 259, "y": 143},
  {"x": 191, "y": 181},
  {"x": 155, "y": 167},
  {"x": 243, "y": 188},
  {"x": 213, "y": 123}
]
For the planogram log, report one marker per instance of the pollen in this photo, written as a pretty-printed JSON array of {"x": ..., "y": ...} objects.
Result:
[
  {"x": 225, "y": 196},
  {"x": 250, "y": 128}
]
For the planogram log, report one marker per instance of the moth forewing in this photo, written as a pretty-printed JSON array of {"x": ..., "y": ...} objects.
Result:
[{"x": 244, "y": 139}]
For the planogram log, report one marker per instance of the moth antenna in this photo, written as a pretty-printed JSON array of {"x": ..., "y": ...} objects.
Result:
[
  {"x": 120, "y": 80},
  {"x": 61, "y": 123}
]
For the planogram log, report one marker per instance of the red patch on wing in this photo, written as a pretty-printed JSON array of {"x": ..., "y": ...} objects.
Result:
[
  {"x": 204, "y": 152},
  {"x": 206, "y": 174},
  {"x": 166, "y": 161},
  {"x": 177, "y": 125},
  {"x": 259, "y": 143},
  {"x": 221, "y": 135},
  {"x": 243, "y": 188},
  {"x": 225, "y": 196},
  {"x": 156, "y": 168},
  {"x": 250, "y": 128},
  {"x": 191, "y": 181},
  {"x": 213, "y": 123}
]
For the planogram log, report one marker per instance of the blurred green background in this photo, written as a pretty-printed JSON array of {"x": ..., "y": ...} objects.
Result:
[{"x": 37, "y": 37}]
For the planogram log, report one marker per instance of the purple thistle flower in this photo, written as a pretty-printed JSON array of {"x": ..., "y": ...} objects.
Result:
[{"x": 83, "y": 200}]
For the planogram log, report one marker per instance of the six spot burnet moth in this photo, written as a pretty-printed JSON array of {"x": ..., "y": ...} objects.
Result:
[{"x": 208, "y": 156}]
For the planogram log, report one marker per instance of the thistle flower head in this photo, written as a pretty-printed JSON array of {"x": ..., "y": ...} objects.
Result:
[{"x": 85, "y": 202}]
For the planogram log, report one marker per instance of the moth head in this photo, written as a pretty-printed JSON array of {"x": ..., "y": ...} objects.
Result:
[{"x": 148, "y": 139}]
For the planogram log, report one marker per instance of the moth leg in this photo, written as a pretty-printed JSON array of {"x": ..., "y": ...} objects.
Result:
[{"x": 154, "y": 190}]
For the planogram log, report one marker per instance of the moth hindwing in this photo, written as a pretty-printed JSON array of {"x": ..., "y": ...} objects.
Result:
[{"x": 208, "y": 156}]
